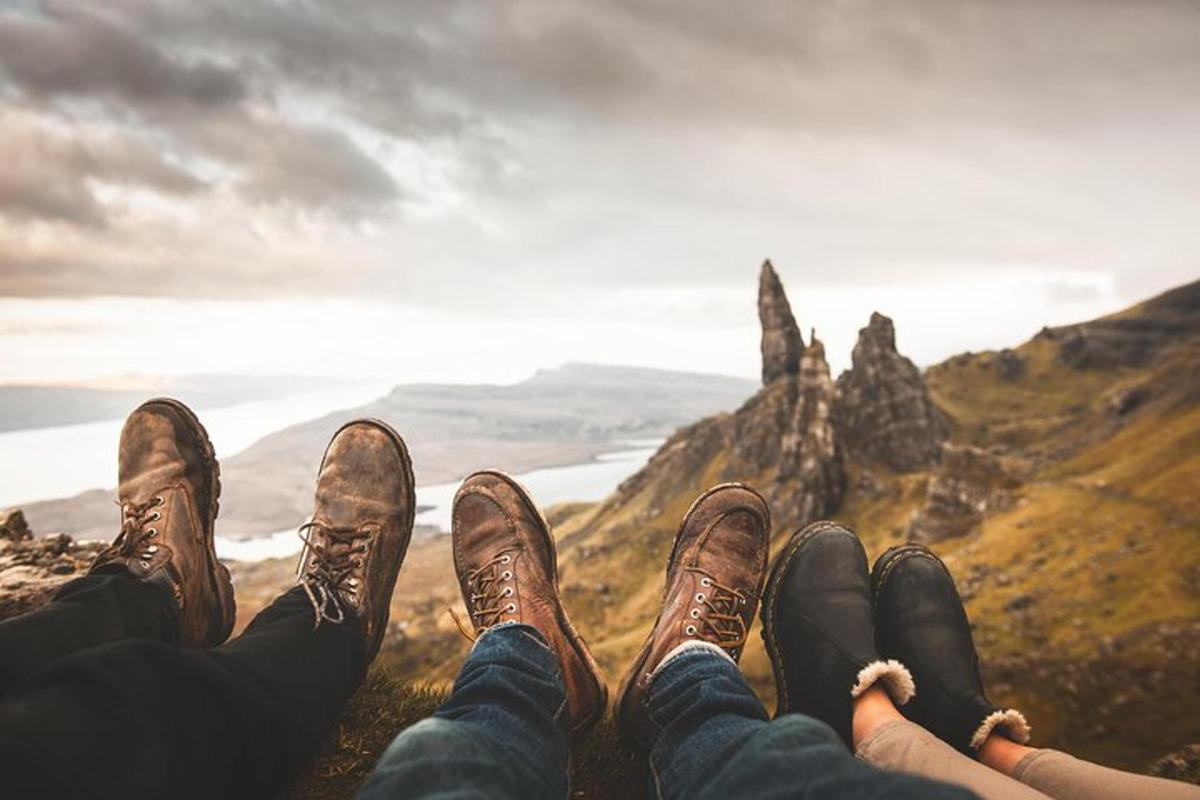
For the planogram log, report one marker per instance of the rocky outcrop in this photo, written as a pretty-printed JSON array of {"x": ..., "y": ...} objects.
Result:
[
  {"x": 793, "y": 437},
  {"x": 31, "y": 570},
  {"x": 782, "y": 344},
  {"x": 1010, "y": 365},
  {"x": 811, "y": 476},
  {"x": 969, "y": 483},
  {"x": 1182, "y": 765},
  {"x": 884, "y": 411}
]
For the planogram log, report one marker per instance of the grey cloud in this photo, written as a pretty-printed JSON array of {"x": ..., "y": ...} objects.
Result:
[
  {"x": 51, "y": 175},
  {"x": 74, "y": 51},
  {"x": 637, "y": 141},
  {"x": 315, "y": 168},
  {"x": 31, "y": 194}
]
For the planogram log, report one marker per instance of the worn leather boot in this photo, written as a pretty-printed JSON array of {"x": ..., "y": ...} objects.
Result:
[
  {"x": 507, "y": 569},
  {"x": 819, "y": 632},
  {"x": 920, "y": 619},
  {"x": 714, "y": 579},
  {"x": 361, "y": 525},
  {"x": 168, "y": 485}
]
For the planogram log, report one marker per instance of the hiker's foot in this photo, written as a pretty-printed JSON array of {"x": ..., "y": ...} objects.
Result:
[
  {"x": 507, "y": 569},
  {"x": 168, "y": 488},
  {"x": 818, "y": 629},
  {"x": 361, "y": 525},
  {"x": 920, "y": 620},
  {"x": 714, "y": 579}
]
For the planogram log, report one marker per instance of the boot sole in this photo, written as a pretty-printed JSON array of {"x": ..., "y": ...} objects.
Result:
[
  {"x": 782, "y": 564},
  {"x": 639, "y": 664},
  {"x": 220, "y": 581},
  {"x": 577, "y": 641},
  {"x": 410, "y": 482}
]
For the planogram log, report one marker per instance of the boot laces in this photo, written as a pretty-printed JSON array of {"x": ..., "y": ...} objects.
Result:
[
  {"x": 723, "y": 624},
  {"x": 489, "y": 589},
  {"x": 134, "y": 540},
  {"x": 331, "y": 567}
]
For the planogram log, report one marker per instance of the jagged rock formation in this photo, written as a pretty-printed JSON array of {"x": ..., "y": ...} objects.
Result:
[
  {"x": 884, "y": 411},
  {"x": 969, "y": 483},
  {"x": 782, "y": 344},
  {"x": 811, "y": 478},
  {"x": 31, "y": 570},
  {"x": 782, "y": 439}
]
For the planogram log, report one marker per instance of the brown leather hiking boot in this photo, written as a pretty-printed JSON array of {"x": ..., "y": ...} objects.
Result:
[
  {"x": 507, "y": 570},
  {"x": 714, "y": 580},
  {"x": 168, "y": 487},
  {"x": 361, "y": 524}
]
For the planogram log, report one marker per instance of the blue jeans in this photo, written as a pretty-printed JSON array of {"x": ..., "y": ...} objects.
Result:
[{"x": 504, "y": 734}]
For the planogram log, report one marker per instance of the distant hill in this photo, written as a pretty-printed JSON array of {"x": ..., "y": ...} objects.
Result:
[{"x": 559, "y": 416}]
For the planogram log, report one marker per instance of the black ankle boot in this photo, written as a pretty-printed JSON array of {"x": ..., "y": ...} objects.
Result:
[
  {"x": 818, "y": 628},
  {"x": 920, "y": 620}
]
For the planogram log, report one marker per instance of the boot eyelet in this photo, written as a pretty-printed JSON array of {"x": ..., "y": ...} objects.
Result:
[
  {"x": 158, "y": 500},
  {"x": 511, "y": 608},
  {"x": 695, "y": 613},
  {"x": 690, "y": 630},
  {"x": 505, "y": 559},
  {"x": 152, "y": 549},
  {"x": 145, "y": 564},
  {"x": 506, "y": 575},
  {"x": 155, "y": 517},
  {"x": 508, "y": 592},
  {"x": 699, "y": 597},
  {"x": 705, "y": 582},
  {"x": 152, "y": 532}
]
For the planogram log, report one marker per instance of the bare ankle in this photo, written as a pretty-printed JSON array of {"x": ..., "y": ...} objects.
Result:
[
  {"x": 872, "y": 709},
  {"x": 1001, "y": 753}
]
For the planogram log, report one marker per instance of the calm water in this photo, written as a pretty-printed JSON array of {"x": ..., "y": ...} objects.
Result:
[
  {"x": 46, "y": 463},
  {"x": 590, "y": 481}
]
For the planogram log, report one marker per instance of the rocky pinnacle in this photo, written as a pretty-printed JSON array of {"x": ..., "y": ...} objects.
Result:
[
  {"x": 782, "y": 345},
  {"x": 884, "y": 410}
]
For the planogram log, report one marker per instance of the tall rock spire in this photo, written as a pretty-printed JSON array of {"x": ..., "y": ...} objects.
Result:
[
  {"x": 782, "y": 345},
  {"x": 884, "y": 410},
  {"x": 811, "y": 480}
]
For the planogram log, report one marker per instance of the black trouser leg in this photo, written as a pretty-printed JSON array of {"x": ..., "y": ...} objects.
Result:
[
  {"x": 85, "y": 612},
  {"x": 143, "y": 719}
]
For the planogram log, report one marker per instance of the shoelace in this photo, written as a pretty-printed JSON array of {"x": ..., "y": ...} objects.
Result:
[
  {"x": 332, "y": 567},
  {"x": 487, "y": 596},
  {"x": 723, "y": 625},
  {"x": 134, "y": 539}
]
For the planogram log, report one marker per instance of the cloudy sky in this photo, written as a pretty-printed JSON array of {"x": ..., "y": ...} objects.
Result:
[{"x": 467, "y": 191}]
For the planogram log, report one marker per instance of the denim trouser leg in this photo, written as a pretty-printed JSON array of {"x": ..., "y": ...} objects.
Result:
[
  {"x": 502, "y": 733},
  {"x": 716, "y": 742}
]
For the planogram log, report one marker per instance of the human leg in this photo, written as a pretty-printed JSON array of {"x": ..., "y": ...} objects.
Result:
[{"x": 922, "y": 621}]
